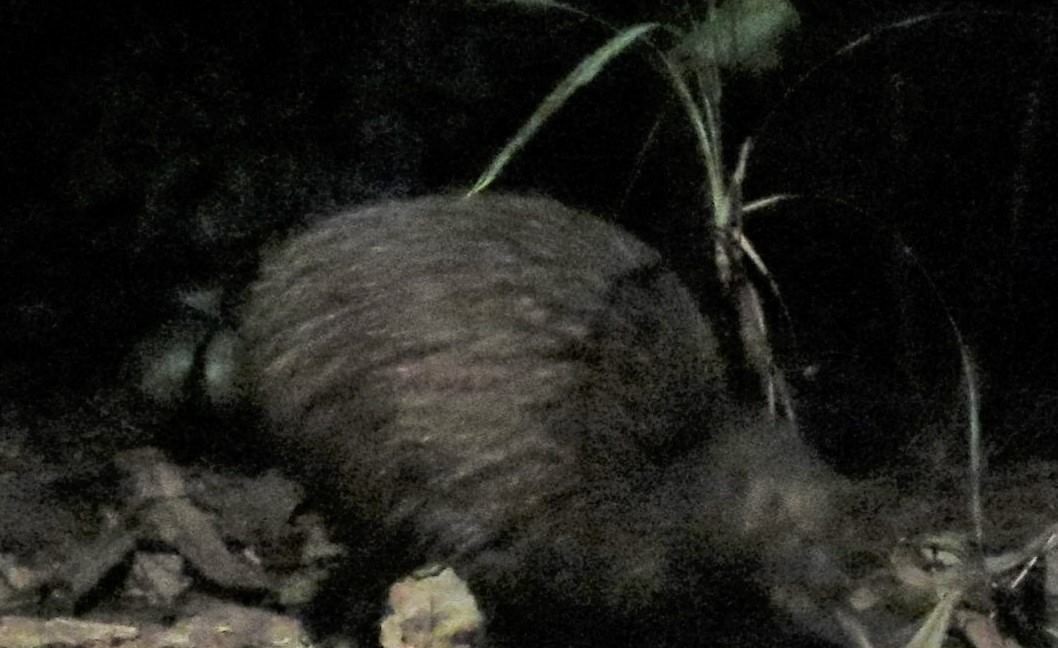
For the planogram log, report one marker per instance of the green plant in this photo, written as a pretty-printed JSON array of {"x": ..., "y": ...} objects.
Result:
[{"x": 738, "y": 34}]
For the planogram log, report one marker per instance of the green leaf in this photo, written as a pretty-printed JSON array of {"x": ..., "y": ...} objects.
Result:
[
  {"x": 741, "y": 34},
  {"x": 587, "y": 70}
]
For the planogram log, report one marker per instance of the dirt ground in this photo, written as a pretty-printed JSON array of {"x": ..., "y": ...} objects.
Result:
[{"x": 129, "y": 548}]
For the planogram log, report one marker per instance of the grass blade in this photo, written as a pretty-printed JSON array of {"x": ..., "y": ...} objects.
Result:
[{"x": 583, "y": 74}]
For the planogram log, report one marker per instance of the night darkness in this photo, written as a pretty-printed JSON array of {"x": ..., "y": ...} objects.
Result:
[
  {"x": 145, "y": 149},
  {"x": 148, "y": 150}
]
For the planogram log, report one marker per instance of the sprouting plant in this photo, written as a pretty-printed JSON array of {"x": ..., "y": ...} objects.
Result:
[{"x": 734, "y": 34}]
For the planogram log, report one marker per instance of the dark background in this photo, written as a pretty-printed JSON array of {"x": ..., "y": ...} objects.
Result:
[{"x": 144, "y": 150}]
